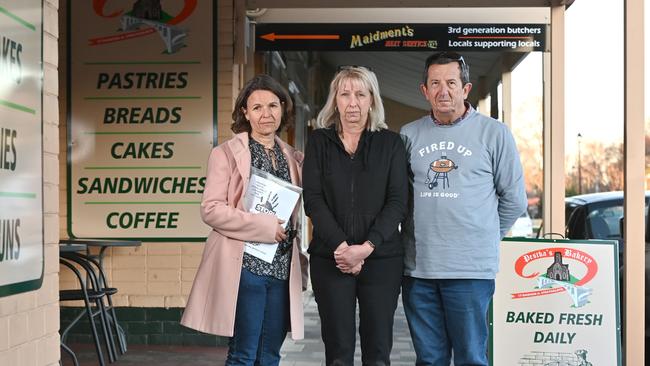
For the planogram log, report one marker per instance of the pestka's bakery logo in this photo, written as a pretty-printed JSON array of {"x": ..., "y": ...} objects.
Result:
[
  {"x": 144, "y": 18},
  {"x": 558, "y": 277}
]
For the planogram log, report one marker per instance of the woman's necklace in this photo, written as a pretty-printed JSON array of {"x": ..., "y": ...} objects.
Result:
[{"x": 270, "y": 152}]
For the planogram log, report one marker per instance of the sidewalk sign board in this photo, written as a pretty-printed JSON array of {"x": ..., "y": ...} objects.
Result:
[{"x": 556, "y": 303}]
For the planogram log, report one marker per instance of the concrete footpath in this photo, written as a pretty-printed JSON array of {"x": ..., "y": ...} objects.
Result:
[{"x": 311, "y": 351}]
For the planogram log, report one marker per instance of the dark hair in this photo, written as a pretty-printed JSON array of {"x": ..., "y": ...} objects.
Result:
[
  {"x": 443, "y": 58},
  {"x": 261, "y": 82}
]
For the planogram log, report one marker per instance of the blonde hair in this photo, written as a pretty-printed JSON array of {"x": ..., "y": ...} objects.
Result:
[{"x": 329, "y": 115}]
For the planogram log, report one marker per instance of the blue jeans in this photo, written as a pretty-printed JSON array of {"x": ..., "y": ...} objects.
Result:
[
  {"x": 261, "y": 321},
  {"x": 446, "y": 314}
]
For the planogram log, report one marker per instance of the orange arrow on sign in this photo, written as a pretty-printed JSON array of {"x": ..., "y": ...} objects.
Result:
[{"x": 272, "y": 36}]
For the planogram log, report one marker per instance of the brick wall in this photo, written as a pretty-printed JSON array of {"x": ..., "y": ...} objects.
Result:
[
  {"x": 155, "y": 275},
  {"x": 29, "y": 322}
]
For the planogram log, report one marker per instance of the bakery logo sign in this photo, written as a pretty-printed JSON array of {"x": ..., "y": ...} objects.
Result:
[
  {"x": 558, "y": 277},
  {"x": 143, "y": 18}
]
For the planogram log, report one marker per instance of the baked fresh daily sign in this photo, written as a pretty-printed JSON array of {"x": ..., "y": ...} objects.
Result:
[
  {"x": 140, "y": 118},
  {"x": 21, "y": 148},
  {"x": 556, "y": 303}
]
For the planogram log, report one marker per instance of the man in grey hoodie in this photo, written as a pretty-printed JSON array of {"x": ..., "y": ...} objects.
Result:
[{"x": 467, "y": 191}]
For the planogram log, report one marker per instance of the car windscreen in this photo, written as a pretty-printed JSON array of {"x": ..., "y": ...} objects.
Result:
[{"x": 603, "y": 221}]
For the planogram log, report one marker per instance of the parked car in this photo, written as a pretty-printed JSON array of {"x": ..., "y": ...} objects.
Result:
[
  {"x": 523, "y": 227},
  {"x": 600, "y": 216},
  {"x": 597, "y": 216}
]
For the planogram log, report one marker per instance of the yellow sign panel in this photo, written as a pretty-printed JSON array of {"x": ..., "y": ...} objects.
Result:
[{"x": 140, "y": 118}]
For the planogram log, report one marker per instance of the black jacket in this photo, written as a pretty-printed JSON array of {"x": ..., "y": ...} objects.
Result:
[{"x": 357, "y": 197}]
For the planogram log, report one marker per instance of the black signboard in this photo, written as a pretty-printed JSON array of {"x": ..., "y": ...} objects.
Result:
[{"x": 400, "y": 37}]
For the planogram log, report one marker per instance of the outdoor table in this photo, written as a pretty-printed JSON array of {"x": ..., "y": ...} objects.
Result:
[
  {"x": 103, "y": 244},
  {"x": 72, "y": 248}
]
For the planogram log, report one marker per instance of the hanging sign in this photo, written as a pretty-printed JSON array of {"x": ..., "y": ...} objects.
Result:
[
  {"x": 140, "y": 118},
  {"x": 400, "y": 37},
  {"x": 21, "y": 146},
  {"x": 556, "y": 303}
]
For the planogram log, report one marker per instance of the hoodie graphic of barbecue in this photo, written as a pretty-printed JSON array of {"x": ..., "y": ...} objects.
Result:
[{"x": 438, "y": 172}]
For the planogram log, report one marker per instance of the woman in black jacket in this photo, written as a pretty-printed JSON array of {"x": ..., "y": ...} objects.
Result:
[{"x": 355, "y": 188}]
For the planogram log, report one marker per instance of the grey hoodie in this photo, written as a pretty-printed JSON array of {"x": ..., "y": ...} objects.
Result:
[{"x": 467, "y": 191}]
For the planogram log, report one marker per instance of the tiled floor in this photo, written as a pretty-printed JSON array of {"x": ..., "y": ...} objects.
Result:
[
  {"x": 310, "y": 351},
  {"x": 307, "y": 352}
]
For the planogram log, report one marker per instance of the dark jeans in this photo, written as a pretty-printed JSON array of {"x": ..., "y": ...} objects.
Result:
[
  {"x": 261, "y": 321},
  {"x": 445, "y": 314},
  {"x": 377, "y": 289}
]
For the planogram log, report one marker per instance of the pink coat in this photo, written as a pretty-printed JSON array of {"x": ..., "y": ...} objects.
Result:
[{"x": 213, "y": 299}]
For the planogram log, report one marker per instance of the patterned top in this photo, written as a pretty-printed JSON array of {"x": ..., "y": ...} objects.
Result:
[
  {"x": 261, "y": 158},
  {"x": 468, "y": 110}
]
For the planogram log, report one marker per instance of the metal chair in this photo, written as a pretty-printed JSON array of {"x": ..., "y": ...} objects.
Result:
[
  {"x": 86, "y": 295},
  {"x": 97, "y": 293},
  {"x": 109, "y": 292}
]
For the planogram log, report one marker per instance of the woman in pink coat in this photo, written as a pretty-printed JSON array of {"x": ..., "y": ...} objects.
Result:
[{"x": 236, "y": 294}]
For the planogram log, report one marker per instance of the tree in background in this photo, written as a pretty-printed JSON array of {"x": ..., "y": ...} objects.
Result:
[
  {"x": 601, "y": 163},
  {"x": 601, "y": 169},
  {"x": 527, "y": 126}
]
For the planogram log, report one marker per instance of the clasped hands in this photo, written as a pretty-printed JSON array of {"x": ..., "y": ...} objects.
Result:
[{"x": 350, "y": 258}]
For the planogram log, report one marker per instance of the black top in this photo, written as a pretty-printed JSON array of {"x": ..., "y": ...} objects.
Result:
[
  {"x": 356, "y": 197},
  {"x": 262, "y": 160}
]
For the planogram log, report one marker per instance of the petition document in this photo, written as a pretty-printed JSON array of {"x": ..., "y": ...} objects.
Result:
[{"x": 267, "y": 194}]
